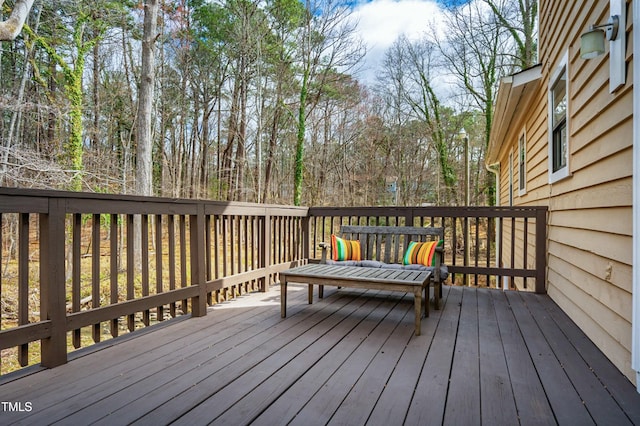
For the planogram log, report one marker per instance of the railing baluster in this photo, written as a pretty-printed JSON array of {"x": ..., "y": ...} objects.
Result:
[
  {"x": 113, "y": 278},
  {"x": 23, "y": 283},
  {"x": 513, "y": 251},
  {"x": 75, "y": 273},
  {"x": 454, "y": 248},
  {"x": 171, "y": 227},
  {"x": 265, "y": 245},
  {"x": 233, "y": 235},
  {"x": 196, "y": 242},
  {"x": 477, "y": 249},
  {"x": 225, "y": 253},
  {"x": 159, "y": 261},
  {"x": 95, "y": 272},
  {"x": 500, "y": 249},
  {"x": 1, "y": 274},
  {"x": 216, "y": 250},
  {"x": 488, "y": 250},
  {"x": 541, "y": 250},
  {"x": 131, "y": 325},
  {"x": 207, "y": 246},
  {"x": 525, "y": 247},
  {"x": 245, "y": 242},
  {"x": 144, "y": 236},
  {"x": 182, "y": 222}
]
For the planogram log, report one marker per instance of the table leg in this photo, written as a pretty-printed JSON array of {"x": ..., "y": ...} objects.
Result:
[
  {"x": 283, "y": 297},
  {"x": 426, "y": 300},
  {"x": 310, "y": 293},
  {"x": 417, "y": 297},
  {"x": 320, "y": 291}
]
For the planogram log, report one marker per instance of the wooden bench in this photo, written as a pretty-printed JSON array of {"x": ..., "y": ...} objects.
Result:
[
  {"x": 415, "y": 282},
  {"x": 387, "y": 244}
]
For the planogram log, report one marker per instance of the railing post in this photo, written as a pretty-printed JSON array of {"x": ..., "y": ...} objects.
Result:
[
  {"x": 265, "y": 250},
  {"x": 306, "y": 237},
  {"x": 541, "y": 250},
  {"x": 198, "y": 264},
  {"x": 52, "y": 283}
]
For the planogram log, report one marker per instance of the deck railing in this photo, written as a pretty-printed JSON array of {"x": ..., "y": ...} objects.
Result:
[
  {"x": 492, "y": 246},
  {"x": 78, "y": 268},
  {"x": 88, "y": 267}
]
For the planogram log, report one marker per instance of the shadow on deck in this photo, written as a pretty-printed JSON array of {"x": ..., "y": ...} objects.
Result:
[{"x": 487, "y": 357}]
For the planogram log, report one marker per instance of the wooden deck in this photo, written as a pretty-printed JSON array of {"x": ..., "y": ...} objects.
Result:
[{"x": 487, "y": 357}]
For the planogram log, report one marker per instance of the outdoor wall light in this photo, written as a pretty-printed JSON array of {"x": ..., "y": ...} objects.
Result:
[{"x": 592, "y": 42}]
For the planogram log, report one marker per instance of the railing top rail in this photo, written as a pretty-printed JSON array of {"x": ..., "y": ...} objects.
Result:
[
  {"x": 18, "y": 200},
  {"x": 392, "y": 230},
  {"x": 435, "y": 211}
]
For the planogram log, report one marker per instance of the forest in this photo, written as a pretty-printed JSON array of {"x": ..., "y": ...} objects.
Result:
[{"x": 255, "y": 100}]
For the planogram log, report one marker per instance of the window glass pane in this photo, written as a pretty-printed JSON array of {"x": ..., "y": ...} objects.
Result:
[
  {"x": 560, "y": 146},
  {"x": 560, "y": 99}
]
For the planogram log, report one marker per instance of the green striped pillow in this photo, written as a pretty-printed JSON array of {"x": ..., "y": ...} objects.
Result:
[
  {"x": 421, "y": 253},
  {"x": 342, "y": 249}
]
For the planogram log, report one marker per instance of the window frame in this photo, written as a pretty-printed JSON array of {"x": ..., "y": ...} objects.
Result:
[
  {"x": 522, "y": 163},
  {"x": 561, "y": 70},
  {"x": 511, "y": 191}
]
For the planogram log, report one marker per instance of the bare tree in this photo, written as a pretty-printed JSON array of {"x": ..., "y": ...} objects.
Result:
[
  {"x": 328, "y": 42},
  {"x": 145, "y": 100},
  {"x": 476, "y": 53},
  {"x": 10, "y": 28},
  {"x": 519, "y": 18}
]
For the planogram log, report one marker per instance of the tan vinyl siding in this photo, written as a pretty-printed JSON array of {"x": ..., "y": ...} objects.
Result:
[{"x": 590, "y": 213}]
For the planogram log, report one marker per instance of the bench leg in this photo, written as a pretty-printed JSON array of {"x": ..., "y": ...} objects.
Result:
[
  {"x": 417, "y": 297},
  {"x": 283, "y": 298},
  {"x": 321, "y": 291},
  {"x": 437, "y": 294},
  {"x": 310, "y": 294}
]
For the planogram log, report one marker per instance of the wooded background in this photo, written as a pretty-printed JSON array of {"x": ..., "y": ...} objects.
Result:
[{"x": 257, "y": 101}]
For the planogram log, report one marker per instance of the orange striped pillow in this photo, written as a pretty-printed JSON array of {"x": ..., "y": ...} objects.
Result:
[
  {"x": 420, "y": 253},
  {"x": 342, "y": 249}
]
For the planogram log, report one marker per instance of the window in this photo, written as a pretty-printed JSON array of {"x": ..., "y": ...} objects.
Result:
[
  {"x": 558, "y": 123},
  {"x": 522, "y": 165}
]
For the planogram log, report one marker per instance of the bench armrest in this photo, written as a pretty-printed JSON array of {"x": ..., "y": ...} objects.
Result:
[{"x": 324, "y": 246}]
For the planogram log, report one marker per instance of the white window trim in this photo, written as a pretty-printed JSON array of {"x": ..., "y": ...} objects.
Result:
[
  {"x": 563, "y": 172},
  {"x": 511, "y": 191},
  {"x": 522, "y": 177}
]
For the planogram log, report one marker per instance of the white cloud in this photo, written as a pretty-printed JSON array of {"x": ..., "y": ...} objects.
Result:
[{"x": 381, "y": 22}]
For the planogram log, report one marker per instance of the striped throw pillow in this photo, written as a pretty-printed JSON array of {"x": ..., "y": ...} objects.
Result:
[
  {"x": 421, "y": 253},
  {"x": 342, "y": 249}
]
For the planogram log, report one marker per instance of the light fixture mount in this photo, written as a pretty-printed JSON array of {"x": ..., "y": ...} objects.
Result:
[{"x": 610, "y": 28}]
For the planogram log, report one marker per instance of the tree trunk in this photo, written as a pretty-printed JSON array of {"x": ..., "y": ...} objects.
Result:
[
  {"x": 10, "y": 28},
  {"x": 18, "y": 111},
  {"x": 95, "y": 142},
  {"x": 273, "y": 137},
  {"x": 299, "y": 166},
  {"x": 145, "y": 101}
]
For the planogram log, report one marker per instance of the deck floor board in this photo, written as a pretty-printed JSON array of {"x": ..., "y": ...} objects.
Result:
[
  {"x": 497, "y": 402},
  {"x": 487, "y": 357}
]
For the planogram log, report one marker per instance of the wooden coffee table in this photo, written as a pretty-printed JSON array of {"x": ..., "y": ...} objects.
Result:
[{"x": 406, "y": 281}]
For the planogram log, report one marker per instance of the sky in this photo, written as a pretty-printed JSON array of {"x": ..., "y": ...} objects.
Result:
[{"x": 381, "y": 22}]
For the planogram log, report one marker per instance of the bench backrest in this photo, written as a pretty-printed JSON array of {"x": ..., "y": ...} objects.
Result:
[{"x": 388, "y": 243}]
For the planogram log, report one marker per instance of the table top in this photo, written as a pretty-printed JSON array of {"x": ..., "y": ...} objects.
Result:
[{"x": 359, "y": 273}]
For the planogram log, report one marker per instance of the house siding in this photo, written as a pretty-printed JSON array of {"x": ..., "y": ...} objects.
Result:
[{"x": 590, "y": 233}]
